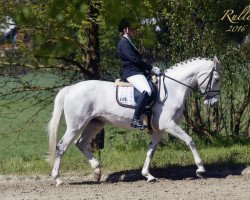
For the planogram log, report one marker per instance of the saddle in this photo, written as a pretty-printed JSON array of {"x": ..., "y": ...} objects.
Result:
[{"x": 127, "y": 96}]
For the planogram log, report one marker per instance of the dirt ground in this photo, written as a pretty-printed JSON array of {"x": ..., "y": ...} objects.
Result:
[{"x": 173, "y": 183}]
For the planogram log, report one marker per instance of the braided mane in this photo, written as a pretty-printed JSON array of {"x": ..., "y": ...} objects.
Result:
[{"x": 182, "y": 63}]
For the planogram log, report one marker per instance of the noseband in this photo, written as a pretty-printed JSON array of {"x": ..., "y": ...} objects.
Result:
[{"x": 208, "y": 93}]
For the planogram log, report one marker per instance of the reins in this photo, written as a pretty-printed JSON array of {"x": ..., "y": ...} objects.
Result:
[
  {"x": 206, "y": 93},
  {"x": 159, "y": 89}
]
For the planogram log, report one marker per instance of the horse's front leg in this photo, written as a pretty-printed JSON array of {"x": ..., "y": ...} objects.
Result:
[
  {"x": 176, "y": 131},
  {"x": 155, "y": 139}
]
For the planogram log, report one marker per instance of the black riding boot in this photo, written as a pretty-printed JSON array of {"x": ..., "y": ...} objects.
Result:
[{"x": 139, "y": 110}]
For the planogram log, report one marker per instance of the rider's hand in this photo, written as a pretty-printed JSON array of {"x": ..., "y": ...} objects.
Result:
[{"x": 156, "y": 70}]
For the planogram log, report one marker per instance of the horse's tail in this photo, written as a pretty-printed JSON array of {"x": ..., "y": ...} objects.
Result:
[{"x": 54, "y": 123}]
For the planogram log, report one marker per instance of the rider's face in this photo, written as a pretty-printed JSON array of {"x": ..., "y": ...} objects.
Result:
[{"x": 130, "y": 31}]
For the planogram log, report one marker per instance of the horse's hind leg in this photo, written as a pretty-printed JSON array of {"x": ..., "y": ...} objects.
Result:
[
  {"x": 176, "y": 131},
  {"x": 61, "y": 147},
  {"x": 82, "y": 144}
]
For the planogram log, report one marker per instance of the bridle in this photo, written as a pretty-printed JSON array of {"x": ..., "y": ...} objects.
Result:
[{"x": 208, "y": 93}]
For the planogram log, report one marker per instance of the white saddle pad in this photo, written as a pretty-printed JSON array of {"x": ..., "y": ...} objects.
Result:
[{"x": 125, "y": 96}]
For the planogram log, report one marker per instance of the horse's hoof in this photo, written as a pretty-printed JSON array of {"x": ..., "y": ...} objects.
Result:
[
  {"x": 200, "y": 174},
  {"x": 58, "y": 182},
  {"x": 152, "y": 179},
  {"x": 97, "y": 175}
]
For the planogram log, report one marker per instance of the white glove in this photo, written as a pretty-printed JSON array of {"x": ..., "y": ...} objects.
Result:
[{"x": 156, "y": 70}]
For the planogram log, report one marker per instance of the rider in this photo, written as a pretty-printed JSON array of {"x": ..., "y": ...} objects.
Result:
[{"x": 134, "y": 69}]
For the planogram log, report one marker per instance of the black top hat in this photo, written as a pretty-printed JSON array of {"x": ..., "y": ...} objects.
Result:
[{"x": 124, "y": 23}]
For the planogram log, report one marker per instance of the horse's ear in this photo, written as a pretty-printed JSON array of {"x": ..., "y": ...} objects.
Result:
[{"x": 216, "y": 63}]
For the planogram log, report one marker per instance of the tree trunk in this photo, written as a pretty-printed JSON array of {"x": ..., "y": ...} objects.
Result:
[
  {"x": 216, "y": 119},
  {"x": 194, "y": 120},
  {"x": 93, "y": 59},
  {"x": 187, "y": 118},
  {"x": 93, "y": 51},
  {"x": 197, "y": 113},
  {"x": 231, "y": 113},
  {"x": 198, "y": 124},
  {"x": 239, "y": 112},
  {"x": 247, "y": 129}
]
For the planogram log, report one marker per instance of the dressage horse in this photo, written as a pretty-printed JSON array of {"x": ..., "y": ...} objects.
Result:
[{"x": 89, "y": 105}]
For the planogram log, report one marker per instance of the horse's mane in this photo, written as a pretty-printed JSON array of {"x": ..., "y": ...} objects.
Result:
[{"x": 185, "y": 62}]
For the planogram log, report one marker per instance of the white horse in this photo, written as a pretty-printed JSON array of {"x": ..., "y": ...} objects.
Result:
[{"x": 89, "y": 105}]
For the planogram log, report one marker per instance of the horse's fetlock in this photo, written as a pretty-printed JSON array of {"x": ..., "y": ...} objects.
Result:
[
  {"x": 54, "y": 174},
  {"x": 199, "y": 164},
  {"x": 144, "y": 172},
  {"x": 94, "y": 164}
]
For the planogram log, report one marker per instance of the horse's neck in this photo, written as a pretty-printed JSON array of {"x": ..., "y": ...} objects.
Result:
[{"x": 187, "y": 74}]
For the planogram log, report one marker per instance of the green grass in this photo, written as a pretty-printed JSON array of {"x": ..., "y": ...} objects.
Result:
[
  {"x": 114, "y": 160},
  {"x": 24, "y": 145}
]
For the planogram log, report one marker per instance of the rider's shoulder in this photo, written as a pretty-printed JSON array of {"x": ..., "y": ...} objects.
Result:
[{"x": 123, "y": 42}]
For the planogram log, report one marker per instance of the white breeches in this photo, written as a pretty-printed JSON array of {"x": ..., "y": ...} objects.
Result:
[{"x": 140, "y": 83}]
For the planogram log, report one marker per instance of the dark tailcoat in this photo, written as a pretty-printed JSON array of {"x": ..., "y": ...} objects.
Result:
[{"x": 132, "y": 63}]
